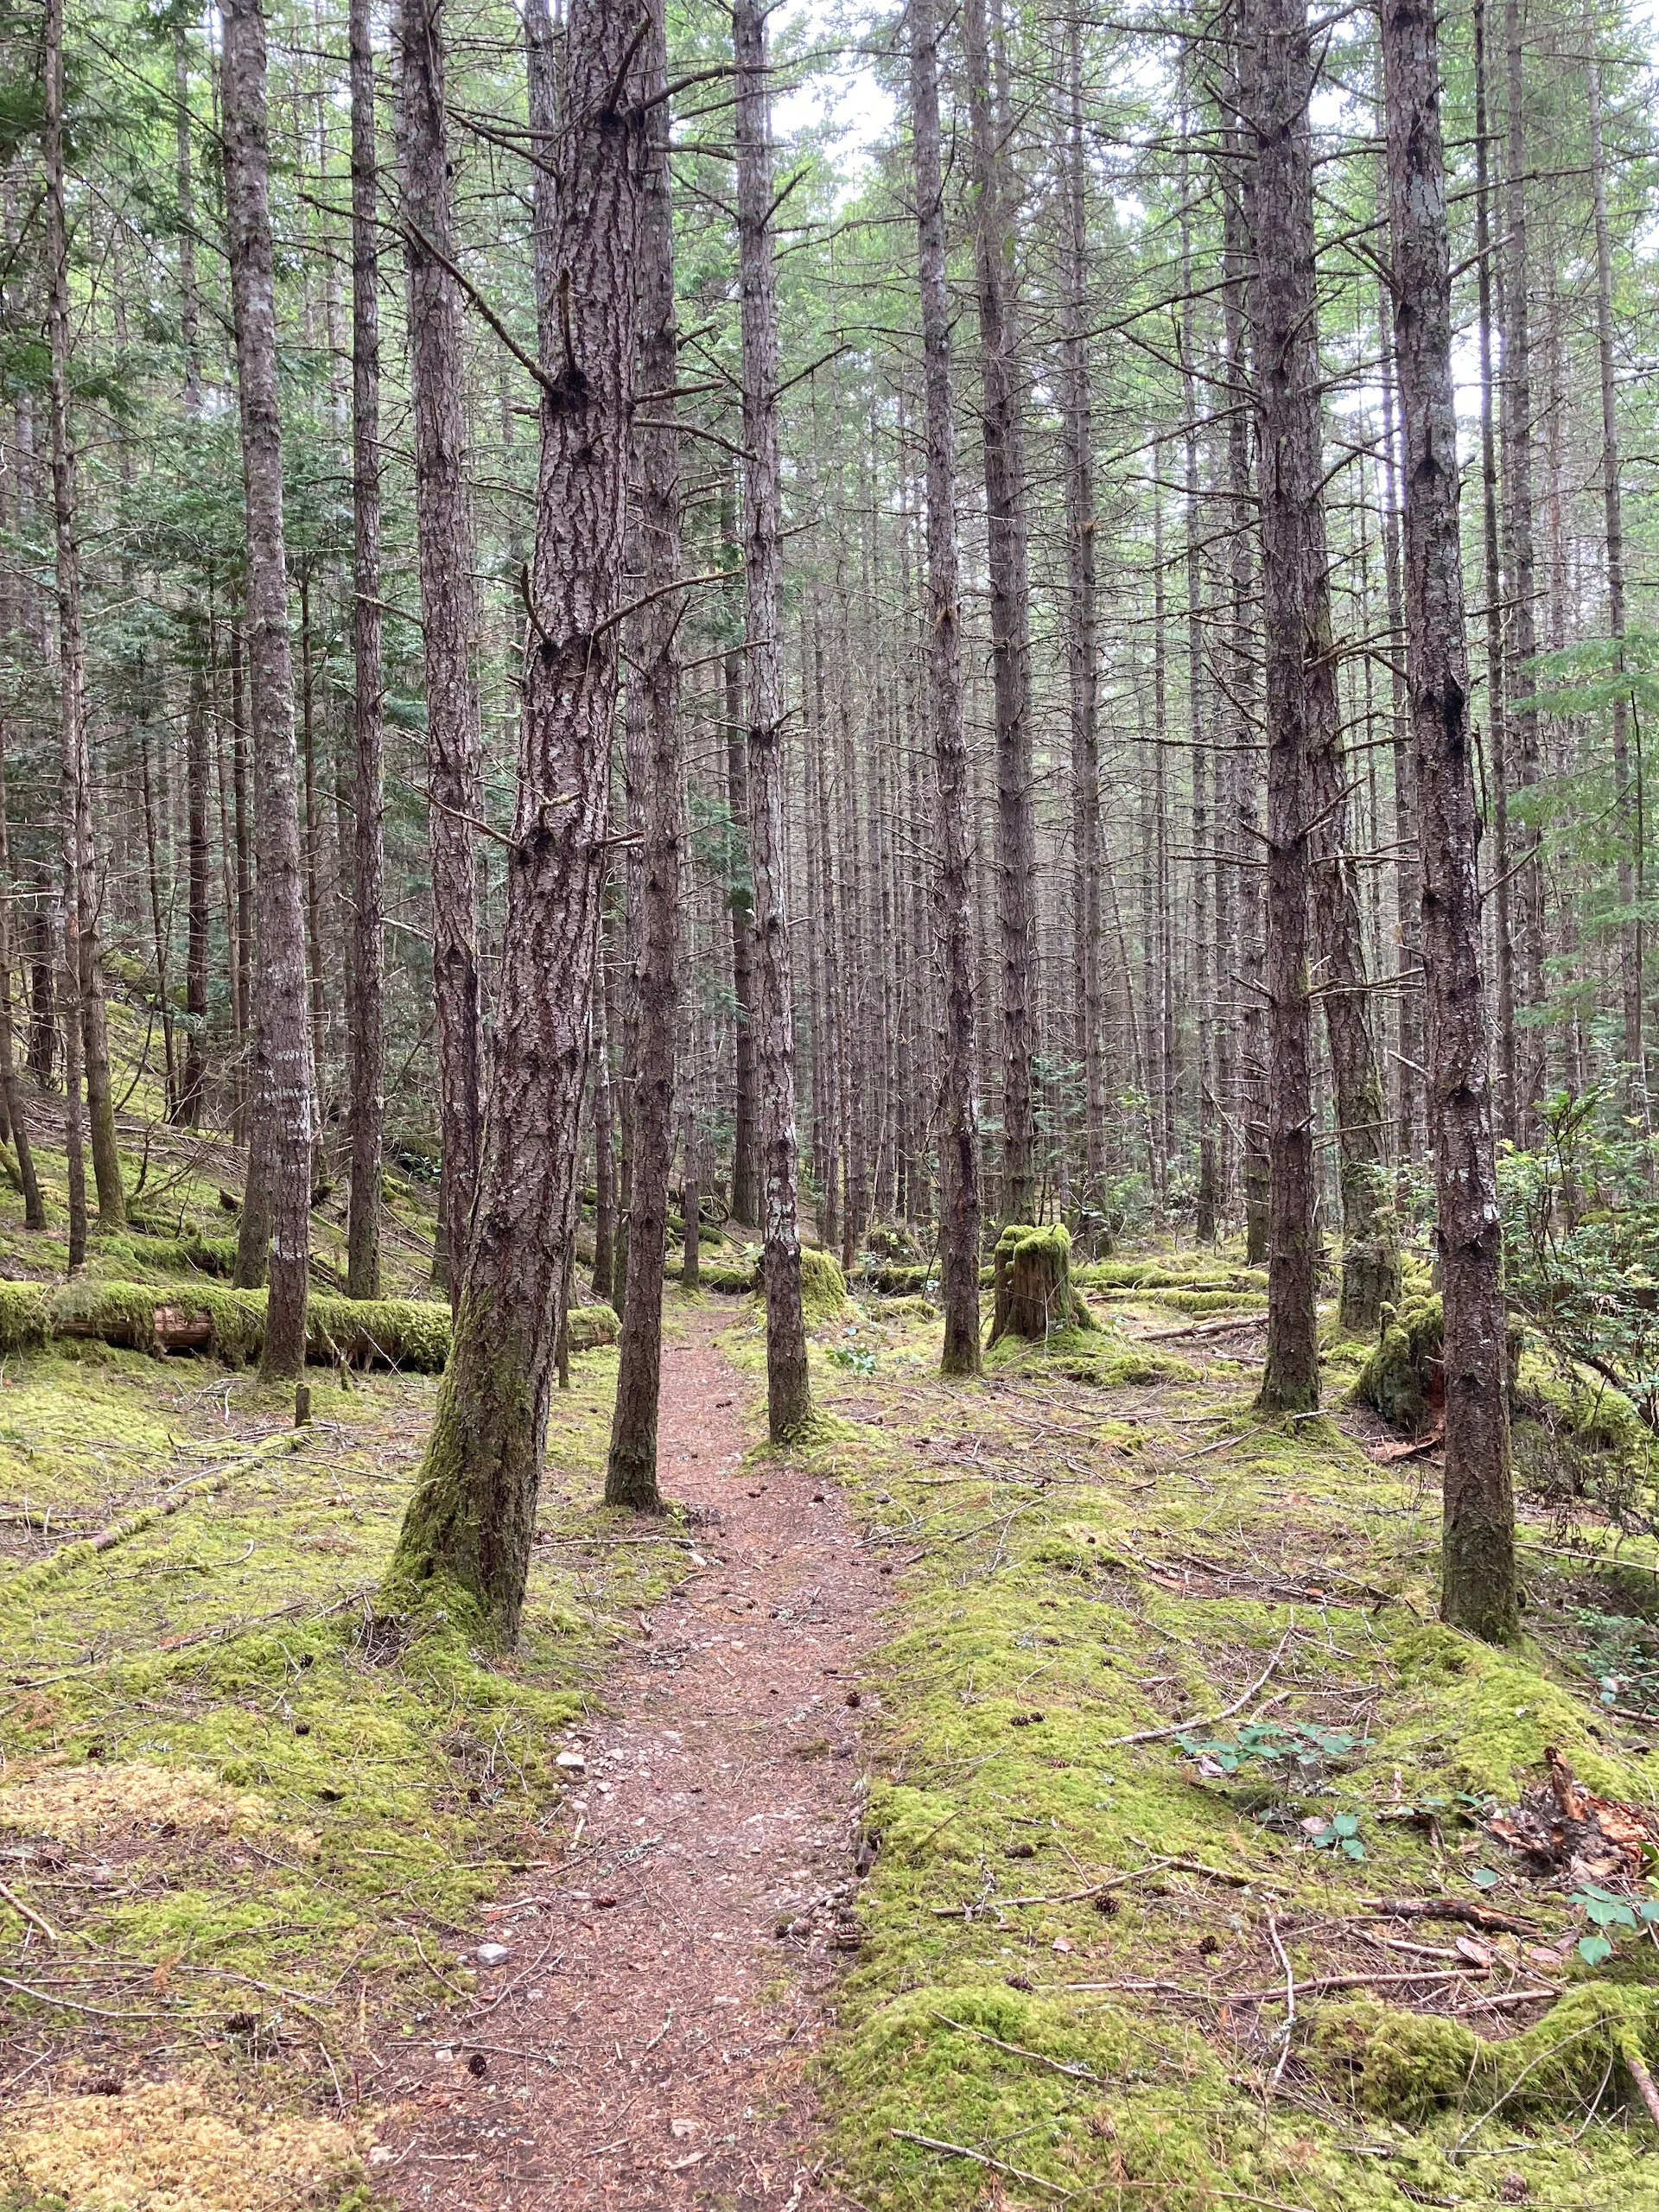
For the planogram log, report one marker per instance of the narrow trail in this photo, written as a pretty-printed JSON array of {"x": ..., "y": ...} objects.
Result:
[{"x": 720, "y": 1801}]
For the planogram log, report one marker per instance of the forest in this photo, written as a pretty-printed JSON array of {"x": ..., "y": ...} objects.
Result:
[{"x": 826, "y": 1000}]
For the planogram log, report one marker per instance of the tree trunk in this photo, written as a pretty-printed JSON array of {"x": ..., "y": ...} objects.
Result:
[
  {"x": 631, "y": 1470},
  {"x": 604, "y": 1273},
  {"x": 953, "y": 913},
  {"x": 198, "y": 774},
  {"x": 34, "y": 1210},
  {"x": 1082, "y": 649},
  {"x": 745, "y": 1183},
  {"x": 788, "y": 1404},
  {"x": 1629, "y": 851},
  {"x": 443, "y": 511},
  {"x": 283, "y": 1105},
  {"x": 75, "y": 775},
  {"x": 1497, "y": 726},
  {"x": 1282, "y": 307},
  {"x": 1527, "y": 900},
  {"x": 1479, "y": 1590},
  {"x": 467, "y": 1534},
  {"x": 1005, "y": 509},
  {"x": 368, "y": 1044}
]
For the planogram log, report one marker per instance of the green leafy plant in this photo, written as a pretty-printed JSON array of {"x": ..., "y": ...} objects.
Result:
[
  {"x": 1605, "y": 1911},
  {"x": 1340, "y": 1832}
]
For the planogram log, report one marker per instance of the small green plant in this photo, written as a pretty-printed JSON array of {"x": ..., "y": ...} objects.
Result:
[
  {"x": 1295, "y": 1751},
  {"x": 1340, "y": 1832},
  {"x": 858, "y": 1359},
  {"x": 1605, "y": 1911}
]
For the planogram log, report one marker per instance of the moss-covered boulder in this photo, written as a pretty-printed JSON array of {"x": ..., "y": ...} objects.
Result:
[
  {"x": 1404, "y": 1379},
  {"x": 1031, "y": 1283}
]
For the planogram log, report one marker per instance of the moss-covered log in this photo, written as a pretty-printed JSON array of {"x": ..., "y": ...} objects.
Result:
[
  {"x": 1030, "y": 1280},
  {"x": 409, "y": 1333},
  {"x": 1404, "y": 1379}
]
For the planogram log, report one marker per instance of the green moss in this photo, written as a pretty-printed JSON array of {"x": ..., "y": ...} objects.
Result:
[
  {"x": 23, "y": 1316},
  {"x": 823, "y": 1286},
  {"x": 1405, "y": 2066},
  {"x": 1401, "y": 1378}
]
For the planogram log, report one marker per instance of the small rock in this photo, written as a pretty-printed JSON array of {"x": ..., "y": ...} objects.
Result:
[
  {"x": 491, "y": 1954},
  {"x": 572, "y": 1761},
  {"x": 1514, "y": 2189},
  {"x": 1019, "y": 1981},
  {"x": 381, "y": 2154}
]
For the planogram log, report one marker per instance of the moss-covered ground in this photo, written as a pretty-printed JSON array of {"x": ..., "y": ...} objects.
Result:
[{"x": 1078, "y": 1945}]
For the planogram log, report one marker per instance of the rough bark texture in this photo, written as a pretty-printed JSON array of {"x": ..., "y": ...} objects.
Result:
[
  {"x": 1281, "y": 306},
  {"x": 282, "y": 1111},
  {"x": 1003, "y": 443},
  {"x": 198, "y": 770},
  {"x": 443, "y": 509},
  {"x": 788, "y": 1403},
  {"x": 17, "y": 1127},
  {"x": 466, "y": 1534},
  {"x": 1082, "y": 649},
  {"x": 74, "y": 767},
  {"x": 952, "y": 903},
  {"x": 631, "y": 1471},
  {"x": 368, "y": 1044},
  {"x": 1479, "y": 1590}
]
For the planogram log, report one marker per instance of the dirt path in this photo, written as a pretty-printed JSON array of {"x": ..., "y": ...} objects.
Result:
[{"x": 720, "y": 1801}]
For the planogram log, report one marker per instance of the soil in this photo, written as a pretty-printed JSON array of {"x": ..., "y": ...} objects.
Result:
[{"x": 645, "y": 2042}]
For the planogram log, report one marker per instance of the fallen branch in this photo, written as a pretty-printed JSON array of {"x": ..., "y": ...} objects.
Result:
[
  {"x": 1290, "y": 1999},
  {"x": 980, "y": 2158},
  {"x": 1178, "y": 1727},
  {"x": 30, "y": 1914},
  {"x": 1059, "y": 1897},
  {"x": 1470, "y": 1915},
  {"x": 1644, "y": 2081}
]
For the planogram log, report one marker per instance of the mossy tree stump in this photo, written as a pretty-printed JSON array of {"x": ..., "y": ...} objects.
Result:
[{"x": 1031, "y": 1281}]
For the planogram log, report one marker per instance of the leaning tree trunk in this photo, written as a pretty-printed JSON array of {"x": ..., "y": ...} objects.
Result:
[
  {"x": 1479, "y": 1589},
  {"x": 953, "y": 909},
  {"x": 788, "y": 1401},
  {"x": 1281, "y": 304},
  {"x": 443, "y": 510},
  {"x": 465, "y": 1538},
  {"x": 631, "y": 1470},
  {"x": 282, "y": 1108},
  {"x": 368, "y": 1042}
]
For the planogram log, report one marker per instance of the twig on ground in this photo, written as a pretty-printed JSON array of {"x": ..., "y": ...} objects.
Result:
[
  {"x": 1077, "y": 2070},
  {"x": 30, "y": 1914},
  {"x": 980, "y": 2158},
  {"x": 1209, "y": 1720},
  {"x": 1290, "y": 1999}
]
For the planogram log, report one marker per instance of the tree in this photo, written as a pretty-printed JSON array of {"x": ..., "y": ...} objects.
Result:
[
  {"x": 449, "y": 610},
  {"x": 788, "y": 1399},
  {"x": 1284, "y": 334},
  {"x": 1478, "y": 1589},
  {"x": 467, "y": 1534},
  {"x": 368, "y": 1039},
  {"x": 284, "y": 1074},
  {"x": 953, "y": 917},
  {"x": 654, "y": 771}
]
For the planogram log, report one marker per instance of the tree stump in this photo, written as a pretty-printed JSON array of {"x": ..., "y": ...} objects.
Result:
[{"x": 1031, "y": 1284}]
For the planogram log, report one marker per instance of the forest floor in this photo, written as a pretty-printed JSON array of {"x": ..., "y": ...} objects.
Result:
[{"x": 1051, "y": 1789}]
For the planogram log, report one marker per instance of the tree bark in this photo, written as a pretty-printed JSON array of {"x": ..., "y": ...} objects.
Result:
[
  {"x": 368, "y": 1042},
  {"x": 952, "y": 902},
  {"x": 283, "y": 1099},
  {"x": 466, "y": 1534},
  {"x": 198, "y": 774},
  {"x": 1630, "y": 855},
  {"x": 1479, "y": 1591},
  {"x": 1003, "y": 444},
  {"x": 443, "y": 511},
  {"x": 1282, "y": 307},
  {"x": 34, "y": 1209},
  {"x": 788, "y": 1403},
  {"x": 631, "y": 1469}
]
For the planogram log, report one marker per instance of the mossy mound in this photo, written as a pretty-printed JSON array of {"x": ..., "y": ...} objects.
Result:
[
  {"x": 1404, "y": 1378},
  {"x": 1575, "y": 1435},
  {"x": 1199, "y": 1273},
  {"x": 1406, "y": 2066}
]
